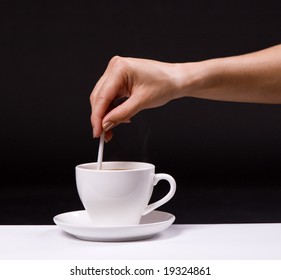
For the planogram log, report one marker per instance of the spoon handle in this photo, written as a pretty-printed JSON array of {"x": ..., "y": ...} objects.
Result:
[{"x": 100, "y": 152}]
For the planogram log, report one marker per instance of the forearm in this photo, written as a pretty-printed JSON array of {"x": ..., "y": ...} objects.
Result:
[{"x": 254, "y": 77}]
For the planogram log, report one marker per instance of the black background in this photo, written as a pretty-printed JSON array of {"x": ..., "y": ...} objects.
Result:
[{"x": 225, "y": 157}]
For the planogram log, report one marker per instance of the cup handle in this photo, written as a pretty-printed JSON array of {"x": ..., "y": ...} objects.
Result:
[{"x": 167, "y": 197}]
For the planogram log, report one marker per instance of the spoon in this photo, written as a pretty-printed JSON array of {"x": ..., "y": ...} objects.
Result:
[{"x": 100, "y": 152}]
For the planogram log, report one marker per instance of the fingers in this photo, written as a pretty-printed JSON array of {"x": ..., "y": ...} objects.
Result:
[
  {"x": 110, "y": 86},
  {"x": 96, "y": 123}
]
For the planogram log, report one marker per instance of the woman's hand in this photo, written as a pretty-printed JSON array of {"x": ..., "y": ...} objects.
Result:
[{"x": 144, "y": 83}]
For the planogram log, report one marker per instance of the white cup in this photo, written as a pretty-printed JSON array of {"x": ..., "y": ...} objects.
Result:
[{"x": 119, "y": 193}]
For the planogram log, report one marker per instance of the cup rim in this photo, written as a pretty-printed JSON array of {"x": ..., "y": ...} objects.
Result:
[{"x": 136, "y": 166}]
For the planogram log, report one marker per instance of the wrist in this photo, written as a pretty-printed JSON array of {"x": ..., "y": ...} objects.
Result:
[{"x": 193, "y": 78}]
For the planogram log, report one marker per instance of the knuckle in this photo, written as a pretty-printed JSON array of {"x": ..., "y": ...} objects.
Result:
[
  {"x": 114, "y": 59},
  {"x": 119, "y": 63},
  {"x": 92, "y": 98},
  {"x": 102, "y": 97}
]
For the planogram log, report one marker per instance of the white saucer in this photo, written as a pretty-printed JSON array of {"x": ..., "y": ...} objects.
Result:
[{"x": 78, "y": 224}]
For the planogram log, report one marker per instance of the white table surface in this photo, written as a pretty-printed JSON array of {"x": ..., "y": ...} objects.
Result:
[{"x": 188, "y": 242}]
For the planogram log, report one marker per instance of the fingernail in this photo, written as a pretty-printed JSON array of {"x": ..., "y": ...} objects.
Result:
[
  {"x": 108, "y": 125},
  {"x": 94, "y": 134}
]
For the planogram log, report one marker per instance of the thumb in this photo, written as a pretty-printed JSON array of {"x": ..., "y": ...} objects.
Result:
[{"x": 120, "y": 114}]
